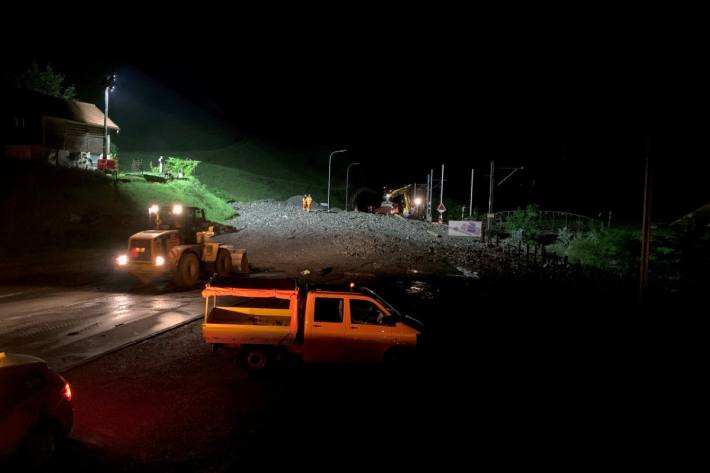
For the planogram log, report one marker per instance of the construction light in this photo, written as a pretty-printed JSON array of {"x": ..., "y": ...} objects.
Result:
[
  {"x": 122, "y": 260},
  {"x": 153, "y": 209},
  {"x": 417, "y": 201},
  {"x": 159, "y": 261},
  {"x": 177, "y": 209}
]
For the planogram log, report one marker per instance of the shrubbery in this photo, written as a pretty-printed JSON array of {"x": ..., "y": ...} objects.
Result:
[
  {"x": 179, "y": 166},
  {"x": 611, "y": 249},
  {"x": 525, "y": 224}
]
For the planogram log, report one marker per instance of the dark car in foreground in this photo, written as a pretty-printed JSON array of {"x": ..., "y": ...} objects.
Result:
[{"x": 35, "y": 409}]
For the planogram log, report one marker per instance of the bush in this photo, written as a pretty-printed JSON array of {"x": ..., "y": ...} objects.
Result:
[
  {"x": 176, "y": 166},
  {"x": 613, "y": 250},
  {"x": 525, "y": 223}
]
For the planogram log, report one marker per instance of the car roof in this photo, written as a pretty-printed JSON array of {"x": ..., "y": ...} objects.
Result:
[{"x": 8, "y": 360}]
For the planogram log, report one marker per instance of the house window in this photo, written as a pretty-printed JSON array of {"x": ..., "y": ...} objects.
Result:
[{"x": 19, "y": 122}]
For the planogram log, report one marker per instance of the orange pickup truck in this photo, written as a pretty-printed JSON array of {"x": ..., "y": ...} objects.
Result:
[{"x": 269, "y": 319}]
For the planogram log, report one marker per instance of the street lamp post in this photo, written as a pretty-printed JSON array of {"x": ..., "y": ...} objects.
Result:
[
  {"x": 347, "y": 177},
  {"x": 109, "y": 85},
  {"x": 329, "y": 161}
]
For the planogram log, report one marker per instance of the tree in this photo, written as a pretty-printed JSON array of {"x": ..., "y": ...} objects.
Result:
[
  {"x": 526, "y": 223},
  {"x": 45, "y": 81}
]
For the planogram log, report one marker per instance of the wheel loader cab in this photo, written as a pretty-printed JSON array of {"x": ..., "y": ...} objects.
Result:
[{"x": 187, "y": 220}]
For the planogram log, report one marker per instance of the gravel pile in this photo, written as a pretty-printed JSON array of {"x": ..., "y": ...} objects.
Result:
[{"x": 280, "y": 236}]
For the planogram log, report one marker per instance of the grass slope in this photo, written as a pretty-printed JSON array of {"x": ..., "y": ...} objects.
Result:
[
  {"x": 52, "y": 208},
  {"x": 252, "y": 170},
  {"x": 189, "y": 192}
]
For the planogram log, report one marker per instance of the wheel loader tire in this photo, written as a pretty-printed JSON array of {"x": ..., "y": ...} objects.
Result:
[
  {"x": 223, "y": 263},
  {"x": 188, "y": 270},
  {"x": 243, "y": 264}
]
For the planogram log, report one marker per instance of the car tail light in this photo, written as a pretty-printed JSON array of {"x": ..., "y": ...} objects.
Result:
[{"x": 66, "y": 392}]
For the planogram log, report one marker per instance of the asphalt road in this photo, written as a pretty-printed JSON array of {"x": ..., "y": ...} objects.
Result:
[
  {"x": 501, "y": 384},
  {"x": 72, "y": 324},
  {"x": 172, "y": 404}
]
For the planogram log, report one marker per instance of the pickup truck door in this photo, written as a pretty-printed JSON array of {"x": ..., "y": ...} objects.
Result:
[
  {"x": 327, "y": 338},
  {"x": 371, "y": 329}
]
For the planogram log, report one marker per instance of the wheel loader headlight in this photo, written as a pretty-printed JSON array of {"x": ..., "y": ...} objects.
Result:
[
  {"x": 177, "y": 209},
  {"x": 159, "y": 261},
  {"x": 153, "y": 209},
  {"x": 122, "y": 260}
]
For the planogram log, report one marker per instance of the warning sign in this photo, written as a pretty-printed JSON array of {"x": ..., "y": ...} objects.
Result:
[{"x": 441, "y": 208}]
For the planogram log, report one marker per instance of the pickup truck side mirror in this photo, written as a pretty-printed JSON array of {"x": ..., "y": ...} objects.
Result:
[{"x": 389, "y": 320}]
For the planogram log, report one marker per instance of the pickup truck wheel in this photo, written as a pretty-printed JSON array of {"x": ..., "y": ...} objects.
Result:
[
  {"x": 255, "y": 359},
  {"x": 223, "y": 263},
  {"x": 188, "y": 270}
]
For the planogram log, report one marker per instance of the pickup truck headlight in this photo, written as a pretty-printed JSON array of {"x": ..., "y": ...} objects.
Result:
[
  {"x": 122, "y": 260},
  {"x": 159, "y": 261}
]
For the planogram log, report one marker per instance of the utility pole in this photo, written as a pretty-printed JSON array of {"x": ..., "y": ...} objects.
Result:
[
  {"x": 470, "y": 200},
  {"x": 441, "y": 194},
  {"x": 646, "y": 228},
  {"x": 414, "y": 198},
  {"x": 491, "y": 186},
  {"x": 426, "y": 199},
  {"x": 441, "y": 197},
  {"x": 431, "y": 194}
]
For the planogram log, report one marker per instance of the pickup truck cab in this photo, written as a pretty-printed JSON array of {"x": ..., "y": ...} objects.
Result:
[{"x": 267, "y": 319}]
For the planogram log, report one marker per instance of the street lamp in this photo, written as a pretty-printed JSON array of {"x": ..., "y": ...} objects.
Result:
[
  {"x": 329, "y": 159},
  {"x": 347, "y": 176},
  {"x": 109, "y": 85}
]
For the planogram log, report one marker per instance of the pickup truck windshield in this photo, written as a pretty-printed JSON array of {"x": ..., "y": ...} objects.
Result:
[{"x": 406, "y": 319}]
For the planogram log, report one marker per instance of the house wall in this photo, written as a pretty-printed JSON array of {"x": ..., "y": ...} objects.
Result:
[
  {"x": 55, "y": 140},
  {"x": 73, "y": 137}
]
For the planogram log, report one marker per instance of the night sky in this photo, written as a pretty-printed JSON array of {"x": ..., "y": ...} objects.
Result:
[{"x": 576, "y": 119}]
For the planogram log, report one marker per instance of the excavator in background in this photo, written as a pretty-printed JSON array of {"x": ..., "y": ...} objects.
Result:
[{"x": 397, "y": 201}]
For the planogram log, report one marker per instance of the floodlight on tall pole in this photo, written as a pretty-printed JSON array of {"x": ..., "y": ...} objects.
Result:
[
  {"x": 329, "y": 161},
  {"x": 347, "y": 177},
  {"x": 109, "y": 86}
]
